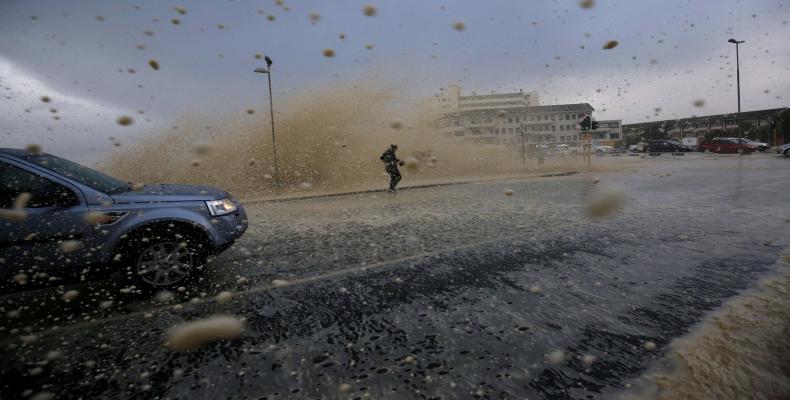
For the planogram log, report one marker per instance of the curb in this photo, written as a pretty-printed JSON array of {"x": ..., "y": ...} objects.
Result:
[{"x": 429, "y": 185}]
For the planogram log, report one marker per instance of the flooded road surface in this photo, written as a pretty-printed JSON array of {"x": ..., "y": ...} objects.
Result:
[{"x": 450, "y": 292}]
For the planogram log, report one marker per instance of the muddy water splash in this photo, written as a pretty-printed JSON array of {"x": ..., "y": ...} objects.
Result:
[
  {"x": 330, "y": 139},
  {"x": 741, "y": 351}
]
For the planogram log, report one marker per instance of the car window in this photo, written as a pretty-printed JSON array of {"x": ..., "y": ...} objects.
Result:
[
  {"x": 79, "y": 173},
  {"x": 44, "y": 193}
]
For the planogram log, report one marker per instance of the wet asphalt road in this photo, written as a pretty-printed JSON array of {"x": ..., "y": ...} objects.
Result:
[{"x": 449, "y": 292}]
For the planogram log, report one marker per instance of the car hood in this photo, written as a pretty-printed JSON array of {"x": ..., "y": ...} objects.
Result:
[{"x": 160, "y": 193}]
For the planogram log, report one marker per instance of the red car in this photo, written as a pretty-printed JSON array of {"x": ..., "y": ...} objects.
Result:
[{"x": 719, "y": 145}]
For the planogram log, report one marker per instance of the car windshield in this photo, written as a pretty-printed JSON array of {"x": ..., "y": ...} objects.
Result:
[
  {"x": 395, "y": 199},
  {"x": 82, "y": 174}
]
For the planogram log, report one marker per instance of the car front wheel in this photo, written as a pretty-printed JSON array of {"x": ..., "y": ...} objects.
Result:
[
  {"x": 787, "y": 153},
  {"x": 166, "y": 263},
  {"x": 162, "y": 257}
]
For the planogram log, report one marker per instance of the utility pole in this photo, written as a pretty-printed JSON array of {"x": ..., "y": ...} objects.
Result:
[
  {"x": 268, "y": 73},
  {"x": 584, "y": 126},
  {"x": 738, "y": 80},
  {"x": 523, "y": 149},
  {"x": 772, "y": 123},
  {"x": 587, "y": 125}
]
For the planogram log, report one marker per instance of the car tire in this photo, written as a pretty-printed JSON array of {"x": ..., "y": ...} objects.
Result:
[
  {"x": 787, "y": 153},
  {"x": 165, "y": 260}
]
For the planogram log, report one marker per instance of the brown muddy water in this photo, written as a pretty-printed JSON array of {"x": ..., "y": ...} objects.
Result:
[
  {"x": 328, "y": 140},
  {"x": 743, "y": 347}
]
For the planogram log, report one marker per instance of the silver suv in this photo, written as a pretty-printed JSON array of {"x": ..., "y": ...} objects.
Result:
[{"x": 61, "y": 221}]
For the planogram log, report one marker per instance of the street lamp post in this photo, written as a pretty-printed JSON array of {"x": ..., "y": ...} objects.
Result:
[
  {"x": 523, "y": 145},
  {"x": 268, "y": 73},
  {"x": 738, "y": 82}
]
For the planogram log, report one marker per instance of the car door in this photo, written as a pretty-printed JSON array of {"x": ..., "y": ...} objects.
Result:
[
  {"x": 42, "y": 227},
  {"x": 730, "y": 146}
]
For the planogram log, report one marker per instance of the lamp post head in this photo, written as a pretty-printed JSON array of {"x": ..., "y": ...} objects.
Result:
[
  {"x": 268, "y": 61},
  {"x": 736, "y": 41},
  {"x": 261, "y": 70}
]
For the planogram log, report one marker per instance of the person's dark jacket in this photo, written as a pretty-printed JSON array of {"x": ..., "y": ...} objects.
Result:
[{"x": 390, "y": 159}]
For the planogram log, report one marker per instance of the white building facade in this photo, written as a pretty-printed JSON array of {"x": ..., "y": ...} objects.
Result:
[
  {"x": 609, "y": 132},
  {"x": 538, "y": 124},
  {"x": 451, "y": 100}
]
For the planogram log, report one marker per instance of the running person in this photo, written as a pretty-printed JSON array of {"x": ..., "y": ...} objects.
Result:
[{"x": 391, "y": 163}]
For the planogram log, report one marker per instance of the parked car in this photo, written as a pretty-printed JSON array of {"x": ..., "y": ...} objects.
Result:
[
  {"x": 601, "y": 149},
  {"x": 784, "y": 149},
  {"x": 761, "y": 146},
  {"x": 60, "y": 220},
  {"x": 725, "y": 145},
  {"x": 557, "y": 150},
  {"x": 691, "y": 142},
  {"x": 665, "y": 146}
]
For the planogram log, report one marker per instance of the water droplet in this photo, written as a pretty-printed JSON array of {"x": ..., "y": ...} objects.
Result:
[
  {"x": 198, "y": 333},
  {"x": 125, "y": 120},
  {"x": 70, "y": 295},
  {"x": 280, "y": 283},
  {"x": 70, "y": 246},
  {"x": 370, "y": 10},
  {"x": 224, "y": 297}
]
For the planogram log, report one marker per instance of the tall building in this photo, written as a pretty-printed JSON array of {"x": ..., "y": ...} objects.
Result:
[
  {"x": 451, "y": 100},
  {"x": 539, "y": 124}
]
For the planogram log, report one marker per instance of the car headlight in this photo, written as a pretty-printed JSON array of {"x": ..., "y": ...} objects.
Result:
[{"x": 220, "y": 207}]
